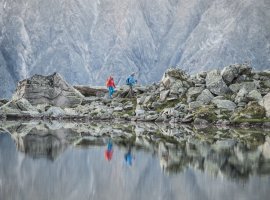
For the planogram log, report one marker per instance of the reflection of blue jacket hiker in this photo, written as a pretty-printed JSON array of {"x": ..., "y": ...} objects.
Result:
[
  {"x": 129, "y": 157},
  {"x": 109, "y": 146},
  {"x": 131, "y": 81}
]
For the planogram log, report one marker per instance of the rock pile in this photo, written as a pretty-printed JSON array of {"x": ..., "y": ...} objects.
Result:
[{"x": 236, "y": 94}]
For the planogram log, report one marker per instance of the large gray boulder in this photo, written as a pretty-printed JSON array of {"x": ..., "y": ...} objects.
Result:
[
  {"x": 265, "y": 102},
  {"x": 215, "y": 83},
  {"x": 254, "y": 95},
  {"x": 52, "y": 89},
  {"x": 231, "y": 72},
  {"x": 225, "y": 104},
  {"x": 249, "y": 86},
  {"x": 206, "y": 96},
  {"x": 193, "y": 93}
]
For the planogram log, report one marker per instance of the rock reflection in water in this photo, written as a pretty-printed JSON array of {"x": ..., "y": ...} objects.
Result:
[{"x": 192, "y": 160}]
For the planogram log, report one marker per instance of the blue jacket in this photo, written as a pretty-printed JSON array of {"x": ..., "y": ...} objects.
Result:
[{"x": 131, "y": 80}]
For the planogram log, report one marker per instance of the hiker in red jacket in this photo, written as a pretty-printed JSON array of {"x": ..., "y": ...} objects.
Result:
[{"x": 110, "y": 85}]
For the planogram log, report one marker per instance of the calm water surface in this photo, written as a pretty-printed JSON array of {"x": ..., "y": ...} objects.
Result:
[{"x": 48, "y": 167}]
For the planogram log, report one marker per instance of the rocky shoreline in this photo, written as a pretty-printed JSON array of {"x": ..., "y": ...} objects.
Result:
[{"x": 236, "y": 95}]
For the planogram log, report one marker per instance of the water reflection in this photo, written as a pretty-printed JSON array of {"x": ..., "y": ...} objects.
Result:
[
  {"x": 129, "y": 157},
  {"x": 63, "y": 161},
  {"x": 109, "y": 151}
]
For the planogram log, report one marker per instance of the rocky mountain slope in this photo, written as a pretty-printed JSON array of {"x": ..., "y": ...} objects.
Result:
[{"x": 85, "y": 41}]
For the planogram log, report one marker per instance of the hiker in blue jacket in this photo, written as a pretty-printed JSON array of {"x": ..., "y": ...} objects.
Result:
[{"x": 131, "y": 81}]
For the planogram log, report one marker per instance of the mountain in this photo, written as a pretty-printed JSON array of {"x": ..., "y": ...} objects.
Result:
[{"x": 86, "y": 41}]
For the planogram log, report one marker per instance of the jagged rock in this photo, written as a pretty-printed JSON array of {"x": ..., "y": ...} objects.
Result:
[
  {"x": 48, "y": 89},
  {"x": 24, "y": 105},
  {"x": 254, "y": 95},
  {"x": 19, "y": 106},
  {"x": 88, "y": 91},
  {"x": 171, "y": 76},
  {"x": 225, "y": 104},
  {"x": 188, "y": 118},
  {"x": 148, "y": 101},
  {"x": 241, "y": 96},
  {"x": 200, "y": 122},
  {"x": 193, "y": 93},
  {"x": 249, "y": 86},
  {"x": 215, "y": 83},
  {"x": 177, "y": 74},
  {"x": 265, "y": 102},
  {"x": 118, "y": 109},
  {"x": 3, "y": 101},
  {"x": 177, "y": 88},
  {"x": 164, "y": 94},
  {"x": 195, "y": 104},
  {"x": 206, "y": 96},
  {"x": 55, "y": 112},
  {"x": 231, "y": 72}
]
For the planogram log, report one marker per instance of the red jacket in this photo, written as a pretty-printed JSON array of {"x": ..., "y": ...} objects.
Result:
[{"x": 110, "y": 83}]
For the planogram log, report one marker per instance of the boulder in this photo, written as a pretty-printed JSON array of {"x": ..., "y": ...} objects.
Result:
[
  {"x": 229, "y": 73},
  {"x": 225, "y": 104},
  {"x": 215, "y": 83},
  {"x": 206, "y": 96},
  {"x": 55, "y": 112},
  {"x": 249, "y": 86},
  {"x": 232, "y": 72},
  {"x": 193, "y": 93},
  {"x": 177, "y": 88},
  {"x": 24, "y": 105},
  {"x": 18, "y": 106},
  {"x": 265, "y": 102},
  {"x": 51, "y": 89},
  {"x": 254, "y": 95},
  {"x": 200, "y": 122},
  {"x": 88, "y": 91},
  {"x": 195, "y": 104},
  {"x": 241, "y": 96},
  {"x": 164, "y": 94},
  {"x": 174, "y": 75}
]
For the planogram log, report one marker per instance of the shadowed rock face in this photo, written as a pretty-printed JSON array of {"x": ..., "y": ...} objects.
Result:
[
  {"x": 85, "y": 41},
  {"x": 51, "y": 89}
]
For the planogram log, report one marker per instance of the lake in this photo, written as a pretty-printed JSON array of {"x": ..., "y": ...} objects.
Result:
[{"x": 122, "y": 161}]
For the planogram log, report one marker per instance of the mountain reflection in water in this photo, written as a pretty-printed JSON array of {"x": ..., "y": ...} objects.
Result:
[{"x": 55, "y": 160}]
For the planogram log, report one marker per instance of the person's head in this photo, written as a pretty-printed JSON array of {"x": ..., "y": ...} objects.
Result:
[
  {"x": 133, "y": 74},
  {"x": 110, "y": 77}
]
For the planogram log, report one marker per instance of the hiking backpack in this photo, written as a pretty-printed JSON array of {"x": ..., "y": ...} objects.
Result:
[{"x": 127, "y": 81}]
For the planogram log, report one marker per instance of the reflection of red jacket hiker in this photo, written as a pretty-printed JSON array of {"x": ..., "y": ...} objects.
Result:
[
  {"x": 110, "y": 82},
  {"x": 108, "y": 155}
]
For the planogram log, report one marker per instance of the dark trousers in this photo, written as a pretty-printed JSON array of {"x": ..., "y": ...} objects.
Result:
[{"x": 130, "y": 92}]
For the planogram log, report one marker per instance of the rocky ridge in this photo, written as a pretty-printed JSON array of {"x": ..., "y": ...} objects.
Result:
[{"x": 234, "y": 95}]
